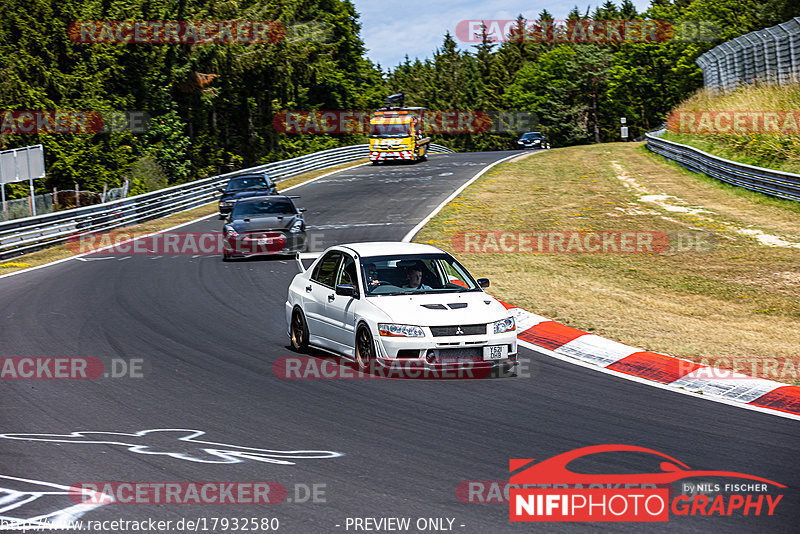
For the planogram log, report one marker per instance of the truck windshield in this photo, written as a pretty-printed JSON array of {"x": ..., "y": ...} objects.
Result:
[{"x": 389, "y": 130}]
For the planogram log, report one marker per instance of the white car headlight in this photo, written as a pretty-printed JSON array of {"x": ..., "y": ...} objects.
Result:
[
  {"x": 297, "y": 226},
  {"x": 504, "y": 325},
  {"x": 400, "y": 330},
  {"x": 230, "y": 232}
]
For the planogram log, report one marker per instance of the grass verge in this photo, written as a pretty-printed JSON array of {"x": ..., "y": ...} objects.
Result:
[
  {"x": 773, "y": 150},
  {"x": 733, "y": 302}
]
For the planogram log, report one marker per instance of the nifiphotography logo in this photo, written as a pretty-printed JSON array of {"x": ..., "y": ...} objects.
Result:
[{"x": 550, "y": 491}]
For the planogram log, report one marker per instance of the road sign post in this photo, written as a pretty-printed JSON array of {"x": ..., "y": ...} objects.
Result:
[{"x": 18, "y": 165}]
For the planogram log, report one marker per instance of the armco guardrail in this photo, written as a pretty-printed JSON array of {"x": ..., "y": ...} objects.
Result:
[
  {"x": 774, "y": 183},
  {"x": 20, "y": 236}
]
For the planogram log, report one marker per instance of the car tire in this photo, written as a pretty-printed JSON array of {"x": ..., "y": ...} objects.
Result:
[
  {"x": 365, "y": 349},
  {"x": 299, "y": 331}
]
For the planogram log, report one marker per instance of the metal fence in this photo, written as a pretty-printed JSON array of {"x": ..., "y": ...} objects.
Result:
[
  {"x": 117, "y": 193},
  {"x": 21, "y": 207},
  {"x": 32, "y": 233},
  {"x": 771, "y": 55},
  {"x": 770, "y": 182}
]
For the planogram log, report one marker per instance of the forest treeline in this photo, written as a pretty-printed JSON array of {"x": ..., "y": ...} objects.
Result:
[{"x": 212, "y": 104}]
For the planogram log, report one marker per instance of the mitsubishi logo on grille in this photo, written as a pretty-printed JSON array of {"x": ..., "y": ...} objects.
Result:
[{"x": 459, "y": 331}]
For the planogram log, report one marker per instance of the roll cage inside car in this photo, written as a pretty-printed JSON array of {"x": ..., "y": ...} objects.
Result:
[
  {"x": 386, "y": 275},
  {"x": 336, "y": 268}
]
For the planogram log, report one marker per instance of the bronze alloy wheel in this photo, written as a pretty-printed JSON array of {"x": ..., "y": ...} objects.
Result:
[
  {"x": 365, "y": 349},
  {"x": 299, "y": 332}
]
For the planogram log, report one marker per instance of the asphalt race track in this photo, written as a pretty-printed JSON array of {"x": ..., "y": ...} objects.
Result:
[{"x": 206, "y": 333}]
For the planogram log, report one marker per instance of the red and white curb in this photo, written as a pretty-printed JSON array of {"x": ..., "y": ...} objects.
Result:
[
  {"x": 658, "y": 370},
  {"x": 573, "y": 344}
]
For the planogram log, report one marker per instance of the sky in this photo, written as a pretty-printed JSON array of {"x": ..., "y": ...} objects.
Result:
[{"x": 417, "y": 27}]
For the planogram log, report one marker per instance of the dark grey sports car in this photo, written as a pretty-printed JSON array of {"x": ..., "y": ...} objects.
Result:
[
  {"x": 242, "y": 186},
  {"x": 264, "y": 225}
]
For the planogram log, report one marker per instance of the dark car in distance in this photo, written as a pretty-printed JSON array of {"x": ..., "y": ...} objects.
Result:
[
  {"x": 533, "y": 140},
  {"x": 264, "y": 225},
  {"x": 244, "y": 186}
]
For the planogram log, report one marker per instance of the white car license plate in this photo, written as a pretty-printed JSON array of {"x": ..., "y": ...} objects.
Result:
[
  {"x": 264, "y": 240},
  {"x": 495, "y": 352}
]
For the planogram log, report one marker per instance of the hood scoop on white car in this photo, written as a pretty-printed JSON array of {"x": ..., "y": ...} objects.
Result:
[{"x": 452, "y": 306}]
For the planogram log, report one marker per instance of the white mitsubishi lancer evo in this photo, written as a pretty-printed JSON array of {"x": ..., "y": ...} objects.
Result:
[{"x": 389, "y": 303}]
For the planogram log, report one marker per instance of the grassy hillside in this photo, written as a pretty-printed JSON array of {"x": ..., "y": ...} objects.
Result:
[
  {"x": 732, "y": 297},
  {"x": 779, "y": 151}
]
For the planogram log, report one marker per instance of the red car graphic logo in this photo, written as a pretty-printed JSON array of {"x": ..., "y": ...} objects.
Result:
[{"x": 554, "y": 470}]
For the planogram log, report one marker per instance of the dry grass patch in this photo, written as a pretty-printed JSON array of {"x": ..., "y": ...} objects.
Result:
[{"x": 734, "y": 298}]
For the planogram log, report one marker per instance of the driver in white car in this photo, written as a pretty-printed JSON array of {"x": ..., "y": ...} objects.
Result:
[
  {"x": 414, "y": 276},
  {"x": 372, "y": 275}
]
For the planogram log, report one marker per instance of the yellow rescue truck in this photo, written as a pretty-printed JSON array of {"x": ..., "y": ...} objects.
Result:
[{"x": 397, "y": 132}]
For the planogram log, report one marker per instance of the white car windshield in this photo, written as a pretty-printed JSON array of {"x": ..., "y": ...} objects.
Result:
[{"x": 413, "y": 274}]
